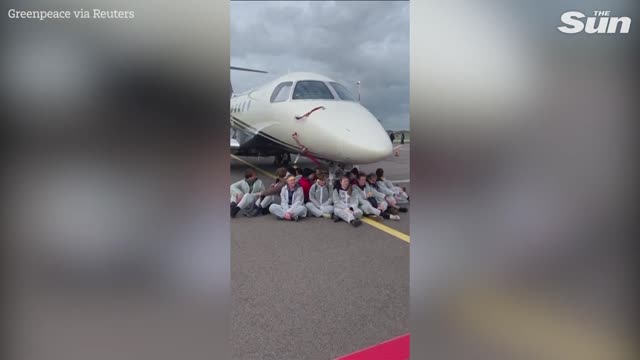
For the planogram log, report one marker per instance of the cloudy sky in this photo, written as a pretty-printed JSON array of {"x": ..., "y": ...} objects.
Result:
[{"x": 348, "y": 41}]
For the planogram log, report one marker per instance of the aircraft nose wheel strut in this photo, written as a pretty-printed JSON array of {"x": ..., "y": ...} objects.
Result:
[{"x": 282, "y": 159}]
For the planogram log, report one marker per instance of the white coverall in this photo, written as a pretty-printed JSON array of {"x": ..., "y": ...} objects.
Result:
[
  {"x": 247, "y": 191},
  {"x": 364, "y": 204},
  {"x": 320, "y": 200},
  {"x": 295, "y": 206},
  {"x": 343, "y": 202},
  {"x": 398, "y": 193}
]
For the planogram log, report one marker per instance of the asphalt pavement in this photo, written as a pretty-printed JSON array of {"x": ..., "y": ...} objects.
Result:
[{"x": 316, "y": 289}]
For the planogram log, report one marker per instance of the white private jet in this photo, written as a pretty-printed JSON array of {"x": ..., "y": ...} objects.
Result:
[{"x": 306, "y": 114}]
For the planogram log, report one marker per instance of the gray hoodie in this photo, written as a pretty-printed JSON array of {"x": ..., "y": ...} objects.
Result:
[{"x": 320, "y": 195}]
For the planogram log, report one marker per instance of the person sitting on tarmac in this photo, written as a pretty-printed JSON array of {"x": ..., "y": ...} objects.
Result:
[
  {"x": 353, "y": 176},
  {"x": 388, "y": 197},
  {"x": 291, "y": 205},
  {"x": 313, "y": 176},
  {"x": 271, "y": 195},
  {"x": 244, "y": 193},
  {"x": 292, "y": 170},
  {"x": 305, "y": 182},
  {"x": 327, "y": 175},
  {"x": 321, "y": 198},
  {"x": 337, "y": 174},
  {"x": 374, "y": 207},
  {"x": 322, "y": 170},
  {"x": 345, "y": 203},
  {"x": 399, "y": 193}
]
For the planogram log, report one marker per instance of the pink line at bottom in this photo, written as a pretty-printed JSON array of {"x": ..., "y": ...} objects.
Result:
[{"x": 395, "y": 349}]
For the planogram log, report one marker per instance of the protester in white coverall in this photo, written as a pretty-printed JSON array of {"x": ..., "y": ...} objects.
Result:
[
  {"x": 291, "y": 206},
  {"x": 271, "y": 195},
  {"x": 399, "y": 193},
  {"x": 345, "y": 203},
  {"x": 244, "y": 193},
  {"x": 321, "y": 198},
  {"x": 370, "y": 201},
  {"x": 389, "y": 197}
]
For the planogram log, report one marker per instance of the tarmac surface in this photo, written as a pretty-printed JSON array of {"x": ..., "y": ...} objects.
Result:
[{"x": 316, "y": 289}]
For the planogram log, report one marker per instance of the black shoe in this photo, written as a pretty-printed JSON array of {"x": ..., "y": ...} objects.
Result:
[
  {"x": 393, "y": 211},
  {"x": 234, "y": 211},
  {"x": 265, "y": 211},
  {"x": 335, "y": 218},
  {"x": 355, "y": 222},
  {"x": 403, "y": 209},
  {"x": 296, "y": 218}
]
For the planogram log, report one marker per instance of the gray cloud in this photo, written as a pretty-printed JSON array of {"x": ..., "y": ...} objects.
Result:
[{"x": 350, "y": 41}]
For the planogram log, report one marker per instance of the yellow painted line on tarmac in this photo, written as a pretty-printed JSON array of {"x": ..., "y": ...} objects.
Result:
[
  {"x": 255, "y": 167},
  {"x": 388, "y": 230},
  {"x": 391, "y": 231}
]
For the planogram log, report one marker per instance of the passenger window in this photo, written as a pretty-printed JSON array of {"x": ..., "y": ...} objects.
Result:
[{"x": 281, "y": 93}]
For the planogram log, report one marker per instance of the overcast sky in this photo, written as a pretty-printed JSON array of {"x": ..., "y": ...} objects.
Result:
[{"x": 349, "y": 41}]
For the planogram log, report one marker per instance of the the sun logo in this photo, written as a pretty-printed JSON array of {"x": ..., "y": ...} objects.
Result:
[{"x": 600, "y": 23}]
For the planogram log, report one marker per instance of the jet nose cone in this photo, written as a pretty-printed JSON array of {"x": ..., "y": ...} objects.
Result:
[
  {"x": 380, "y": 147},
  {"x": 371, "y": 147},
  {"x": 356, "y": 135}
]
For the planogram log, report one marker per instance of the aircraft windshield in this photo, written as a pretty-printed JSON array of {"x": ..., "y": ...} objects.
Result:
[
  {"x": 311, "y": 89},
  {"x": 342, "y": 91}
]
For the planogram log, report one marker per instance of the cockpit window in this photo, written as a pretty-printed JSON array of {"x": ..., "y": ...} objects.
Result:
[
  {"x": 342, "y": 91},
  {"x": 311, "y": 89},
  {"x": 281, "y": 93}
]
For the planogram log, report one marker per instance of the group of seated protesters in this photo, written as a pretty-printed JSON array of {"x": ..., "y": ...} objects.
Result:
[{"x": 295, "y": 193}]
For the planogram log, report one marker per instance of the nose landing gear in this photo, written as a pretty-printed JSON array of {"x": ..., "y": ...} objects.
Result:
[
  {"x": 336, "y": 170},
  {"x": 283, "y": 159}
]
